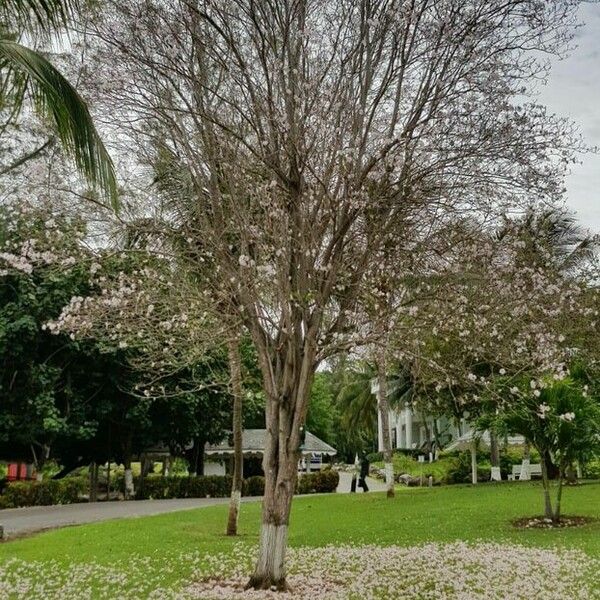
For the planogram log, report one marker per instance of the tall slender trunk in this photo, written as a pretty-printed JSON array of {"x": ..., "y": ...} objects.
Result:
[
  {"x": 235, "y": 369},
  {"x": 474, "y": 462},
  {"x": 94, "y": 482},
  {"x": 525, "y": 474},
  {"x": 384, "y": 412},
  {"x": 129, "y": 489},
  {"x": 548, "y": 512},
  {"x": 108, "y": 481},
  {"x": 553, "y": 470},
  {"x": 557, "y": 507},
  {"x": 494, "y": 449},
  {"x": 495, "y": 457}
]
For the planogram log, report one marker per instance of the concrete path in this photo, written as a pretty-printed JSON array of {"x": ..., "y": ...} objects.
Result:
[
  {"x": 23, "y": 521},
  {"x": 375, "y": 485},
  {"x": 20, "y": 521}
]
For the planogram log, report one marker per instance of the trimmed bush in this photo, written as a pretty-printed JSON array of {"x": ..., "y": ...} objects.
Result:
[
  {"x": 254, "y": 486},
  {"x": 43, "y": 493},
  {"x": 321, "y": 482},
  {"x": 591, "y": 469}
]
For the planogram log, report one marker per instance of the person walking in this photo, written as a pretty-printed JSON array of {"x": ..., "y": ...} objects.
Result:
[{"x": 364, "y": 473}]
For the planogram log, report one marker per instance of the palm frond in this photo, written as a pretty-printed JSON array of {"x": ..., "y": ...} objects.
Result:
[
  {"x": 55, "y": 98},
  {"x": 36, "y": 16}
]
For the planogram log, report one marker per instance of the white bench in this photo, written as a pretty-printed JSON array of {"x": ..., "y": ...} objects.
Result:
[{"x": 535, "y": 470}]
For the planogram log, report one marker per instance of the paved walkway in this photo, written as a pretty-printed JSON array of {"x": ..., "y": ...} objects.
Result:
[
  {"x": 22, "y": 521},
  {"x": 375, "y": 485}
]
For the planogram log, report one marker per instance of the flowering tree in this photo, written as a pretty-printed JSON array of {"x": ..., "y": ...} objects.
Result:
[
  {"x": 512, "y": 307},
  {"x": 560, "y": 418},
  {"x": 306, "y": 138}
]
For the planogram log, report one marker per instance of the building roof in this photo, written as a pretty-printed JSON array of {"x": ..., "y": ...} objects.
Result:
[{"x": 253, "y": 442}]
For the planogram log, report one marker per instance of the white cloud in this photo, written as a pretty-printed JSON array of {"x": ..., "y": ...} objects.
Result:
[{"x": 573, "y": 90}]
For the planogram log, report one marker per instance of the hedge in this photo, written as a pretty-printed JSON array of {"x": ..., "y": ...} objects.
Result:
[
  {"x": 43, "y": 493},
  {"x": 69, "y": 491},
  {"x": 212, "y": 486},
  {"x": 219, "y": 486}
]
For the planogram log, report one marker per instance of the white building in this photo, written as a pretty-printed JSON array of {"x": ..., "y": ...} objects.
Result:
[{"x": 412, "y": 430}]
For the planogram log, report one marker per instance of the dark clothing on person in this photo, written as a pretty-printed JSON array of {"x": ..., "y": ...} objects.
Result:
[
  {"x": 364, "y": 468},
  {"x": 364, "y": 473}
]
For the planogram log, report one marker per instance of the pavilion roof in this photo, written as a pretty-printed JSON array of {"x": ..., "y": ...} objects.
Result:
[{"x": 253, "y": 442}]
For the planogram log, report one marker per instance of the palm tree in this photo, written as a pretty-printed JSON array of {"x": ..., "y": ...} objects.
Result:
[
  {"x": 26, "y": 74},
  {"x": 557, "y": 231},
  {"x": 358, "y": 405}
]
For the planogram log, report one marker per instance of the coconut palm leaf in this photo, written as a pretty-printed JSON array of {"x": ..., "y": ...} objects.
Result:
[
  {"x": 36, "y": 16},
  {"x": 55, "y": 98},
  {"x": 358, "y": 406}
]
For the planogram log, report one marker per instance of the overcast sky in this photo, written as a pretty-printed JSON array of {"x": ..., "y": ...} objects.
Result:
[{"x": 574, "y": 91}]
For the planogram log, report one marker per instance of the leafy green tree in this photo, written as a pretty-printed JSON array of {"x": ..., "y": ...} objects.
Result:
[
  {"x": 322, "y": 412},
  {"x": 40, "y": 399},
  {"x": 561, "y": 419}
]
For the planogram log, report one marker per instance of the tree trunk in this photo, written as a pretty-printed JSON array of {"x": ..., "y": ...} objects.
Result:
[
  {"x": 195, "y": 457},
  {"x": 553, "y": 470},
  {"x": 288, "y": 372},
  {"x": 548, "y": 512},
  {"x": 235, "y": 369},
  {"x": 281, "y": 472},
  {"x": 495, "y": 457},
  {"x": 525, "y": 474},
  {"x": 108, "y": 481},
  {"x": 129, "y": 489},
  {"x": 557, "y": 508},
  {"x": 94, "y": 482},
  {"x": 384, "y": 412},
  {"x": 474, "y": 462}
]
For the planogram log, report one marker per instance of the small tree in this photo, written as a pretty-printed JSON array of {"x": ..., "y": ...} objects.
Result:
[{"x": 560, "y": 419}]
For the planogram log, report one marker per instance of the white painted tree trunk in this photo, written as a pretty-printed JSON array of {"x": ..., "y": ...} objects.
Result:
[
  {"x": 39, "y": 476},
  {"x": 270, "y": 567},
  {"x": 384, "y": 411},
  {"x": 271, "y": 553},
  {"x": 129, "y": 488},
  {"x": 525, "y": 474},
  {"x": 389, "y": 477},
  {"x": 235, "y": 370},
  {"x": 474, "y": 462}
]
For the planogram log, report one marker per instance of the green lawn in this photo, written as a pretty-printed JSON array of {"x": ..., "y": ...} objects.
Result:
[{"x": 415, "y": 516}]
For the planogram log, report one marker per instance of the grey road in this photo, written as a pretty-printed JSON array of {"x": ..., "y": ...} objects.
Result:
[{"x": 22, "y": 521}]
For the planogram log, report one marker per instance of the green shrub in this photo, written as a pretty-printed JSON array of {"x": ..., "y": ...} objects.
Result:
[
  {"x": 158, "y": 487},
  {"x": 321, "y": 482},
  {"x": 43, "y": 493},
  {"x": 254, "y": 486},
  {"x": 459, "y": 470},
  {"x": 591, "y": 469},
  {"x": 375, "y": 457}
]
